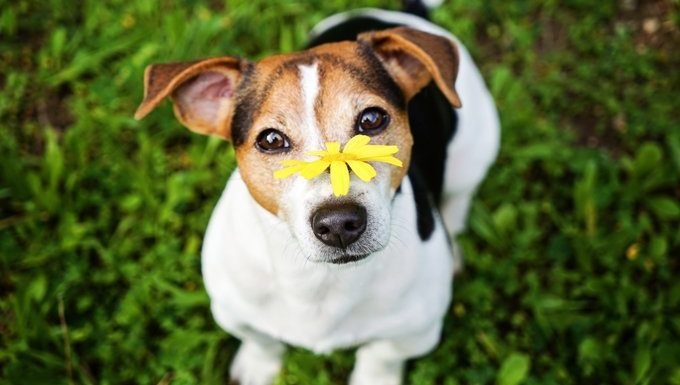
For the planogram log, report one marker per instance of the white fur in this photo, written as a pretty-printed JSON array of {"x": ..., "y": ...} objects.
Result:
[
  {"x": 268, "y": 283},
  {"x": 309, "y": 82},
  {"x": 433, "y": 3}
]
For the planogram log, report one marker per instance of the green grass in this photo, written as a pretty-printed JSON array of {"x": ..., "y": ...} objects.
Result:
[{"x": 572, "y": 254}]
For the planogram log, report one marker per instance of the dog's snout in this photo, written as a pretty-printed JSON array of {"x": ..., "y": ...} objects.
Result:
[{"x": 339, "y": 225}]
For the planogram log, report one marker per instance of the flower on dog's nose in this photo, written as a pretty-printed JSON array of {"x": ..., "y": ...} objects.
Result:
[{"x": 354, "y": 156}]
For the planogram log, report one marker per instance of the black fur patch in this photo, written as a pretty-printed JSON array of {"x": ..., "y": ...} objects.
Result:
[
  {"x": 415, "y": 7},
  {"x": 349, "y": 29},
  {"x": 433, "y": 124},
  {"x": 245, "y": 109},
  {"x": 378, "y": 79},
  {"x": 424, "y": 207}
]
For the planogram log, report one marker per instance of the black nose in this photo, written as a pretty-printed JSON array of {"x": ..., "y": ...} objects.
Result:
[{"x": 339, "y": 225}]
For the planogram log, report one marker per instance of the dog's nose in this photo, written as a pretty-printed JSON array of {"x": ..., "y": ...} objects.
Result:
[{"x": 339, "y": 225}]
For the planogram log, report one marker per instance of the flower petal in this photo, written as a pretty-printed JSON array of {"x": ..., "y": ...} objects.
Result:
[
  {"x": 292, "y": 162},
  {"x": 320, "y": 153},
  {"x": 386, "y": 159},
  {"x": 355, "y": 143},
  {"x": 313, "y": 169},
  {"x": 372, "y": 151},
  {"x": 286, "y": 172},
  {"x": 332, "y": 148},
  {"x": 339, "y": 178},
  {"x": 364, "y": 171}
]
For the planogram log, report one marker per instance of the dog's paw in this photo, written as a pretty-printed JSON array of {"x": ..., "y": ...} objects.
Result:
[
  {"x": 391, "y": 375},
  {"x": 254, "y": 366}
]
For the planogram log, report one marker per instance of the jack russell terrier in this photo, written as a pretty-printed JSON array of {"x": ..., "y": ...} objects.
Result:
[{"x": 284, "y": 260}]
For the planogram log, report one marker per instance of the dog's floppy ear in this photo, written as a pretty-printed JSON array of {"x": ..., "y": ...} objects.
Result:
[
  {"x": 202, "y": 92},
  {"x": 414, "y": 58}
]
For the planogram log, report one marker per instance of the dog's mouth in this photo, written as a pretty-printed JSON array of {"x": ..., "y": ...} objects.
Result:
[{"x": 346, "y": 258}]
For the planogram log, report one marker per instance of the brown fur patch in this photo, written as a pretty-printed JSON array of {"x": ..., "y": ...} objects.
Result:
[{"x": 279, "y": 107}]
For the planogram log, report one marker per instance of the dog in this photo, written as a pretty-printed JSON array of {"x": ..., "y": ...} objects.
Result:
[{"x": 285, "y": 262}]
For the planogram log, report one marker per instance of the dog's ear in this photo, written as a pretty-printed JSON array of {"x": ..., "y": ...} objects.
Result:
[
  {"x": 202, "y": 92},
  {"x": 414, "y": 58}
]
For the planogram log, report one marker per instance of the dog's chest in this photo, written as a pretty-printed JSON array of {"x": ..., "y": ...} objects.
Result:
[{"x": 323, "y": 310}]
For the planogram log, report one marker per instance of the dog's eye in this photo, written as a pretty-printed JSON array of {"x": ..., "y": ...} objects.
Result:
[
  {"x": 272, "y": 141},
  {"x": 372, "y": 121}
]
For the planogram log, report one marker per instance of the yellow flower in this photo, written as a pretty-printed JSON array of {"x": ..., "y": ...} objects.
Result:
[{"x": 354, "y": 156}]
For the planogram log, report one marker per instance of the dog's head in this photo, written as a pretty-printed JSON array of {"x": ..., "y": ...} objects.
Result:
[{"x": 282, "y": 106}]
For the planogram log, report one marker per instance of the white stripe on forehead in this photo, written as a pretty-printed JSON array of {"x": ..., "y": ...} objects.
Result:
[{"x": 309, "y": 83}]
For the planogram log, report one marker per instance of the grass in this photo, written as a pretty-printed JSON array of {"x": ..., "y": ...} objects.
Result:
[{"x": 573, "y": 247}]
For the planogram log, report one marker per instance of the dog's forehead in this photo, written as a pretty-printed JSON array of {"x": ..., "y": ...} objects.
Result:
[
  {"x": 341, "y": 52},
  {"x": 339, "y": 67},
  {"x": 350, "y": 60}
]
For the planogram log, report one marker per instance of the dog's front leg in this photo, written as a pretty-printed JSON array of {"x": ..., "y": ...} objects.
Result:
[
  {"x": 382, "y": 362},
  {"x": 257, "y": 361}
]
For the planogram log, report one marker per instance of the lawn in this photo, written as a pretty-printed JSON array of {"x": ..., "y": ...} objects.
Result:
[{"x": 572, "y": 256}]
